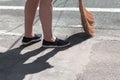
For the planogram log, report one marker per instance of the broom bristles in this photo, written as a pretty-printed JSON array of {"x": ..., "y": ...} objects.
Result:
[{"x": 87, "y": 19}]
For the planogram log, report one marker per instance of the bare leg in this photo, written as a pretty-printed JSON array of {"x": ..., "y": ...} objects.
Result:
[
  {"x": 46, "y": 10},
  {"x": 30, "y": 10},
  {"x": 45, "y": 14}
]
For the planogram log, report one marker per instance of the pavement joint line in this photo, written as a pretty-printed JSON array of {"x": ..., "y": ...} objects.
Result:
[{"x": 64, "y": 9}]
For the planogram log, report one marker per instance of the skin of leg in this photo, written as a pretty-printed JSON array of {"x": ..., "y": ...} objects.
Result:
[
  {"x": 30, "y": 10},
  {"x": 46, "y": 13}
]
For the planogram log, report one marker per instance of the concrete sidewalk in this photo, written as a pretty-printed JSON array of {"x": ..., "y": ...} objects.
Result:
[
  {"x": 87, "y": 58},
  {"x": 96, "y": 58}
]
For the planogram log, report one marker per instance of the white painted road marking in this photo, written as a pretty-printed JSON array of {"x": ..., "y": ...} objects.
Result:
[
  {"x": 64, "y": 9},
  {"x": 75, "y": 26},
  {"x": 4, "y": 32}
]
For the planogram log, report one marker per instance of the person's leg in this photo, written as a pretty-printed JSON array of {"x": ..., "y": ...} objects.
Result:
[
  {"x": 30, "y": 10},
  {"x": 46, "y": 12}
]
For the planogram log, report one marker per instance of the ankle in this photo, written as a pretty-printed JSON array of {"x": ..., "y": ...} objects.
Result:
[
  {"x": 29, "y": 35},
  {"x": 50, "y": 39}
]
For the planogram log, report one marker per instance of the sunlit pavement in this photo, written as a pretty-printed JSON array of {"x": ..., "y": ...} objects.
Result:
[{"x": 95, "y": 58}]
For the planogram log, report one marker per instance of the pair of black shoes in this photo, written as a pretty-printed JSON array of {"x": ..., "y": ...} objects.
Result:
[{"x": 37, "y": 37}]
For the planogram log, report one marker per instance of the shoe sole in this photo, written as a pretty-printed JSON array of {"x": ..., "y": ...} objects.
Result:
[
  {"x": 31, "y": 41},
  {"x": 52, "y": 46}
]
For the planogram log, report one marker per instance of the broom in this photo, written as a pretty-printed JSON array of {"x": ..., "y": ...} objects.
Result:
[{"x": 87, "y": 19}]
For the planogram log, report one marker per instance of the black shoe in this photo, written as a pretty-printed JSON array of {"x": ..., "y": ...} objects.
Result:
[
  {"x": 57, "y": 43},
  {"x": 36, "y": 38}
]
